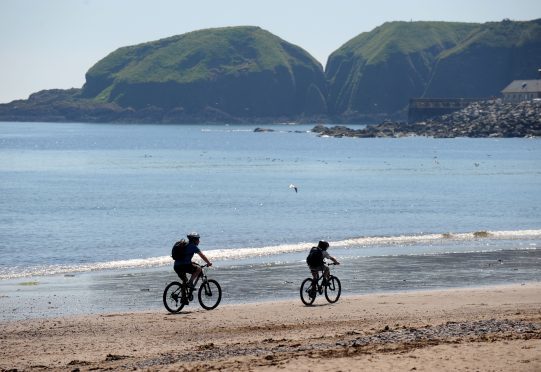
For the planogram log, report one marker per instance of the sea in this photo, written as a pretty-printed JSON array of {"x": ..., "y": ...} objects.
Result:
[{"x": 89, "y": 212}]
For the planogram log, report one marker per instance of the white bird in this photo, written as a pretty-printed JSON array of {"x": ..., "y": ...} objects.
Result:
[{"x": 292, "y": 186}]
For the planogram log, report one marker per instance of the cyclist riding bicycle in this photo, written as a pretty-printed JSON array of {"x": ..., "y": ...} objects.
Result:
[
  {"x": 184, "y": 263},
  {"x": 315, "y": 260}
]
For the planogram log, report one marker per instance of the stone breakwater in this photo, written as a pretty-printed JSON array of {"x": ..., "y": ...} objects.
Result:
[{"x": 480, "y": 119}]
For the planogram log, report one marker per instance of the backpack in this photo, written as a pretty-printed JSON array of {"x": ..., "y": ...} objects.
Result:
[
  {"x": 315, "y": 257},
  {"x": 178, "y": 249}
]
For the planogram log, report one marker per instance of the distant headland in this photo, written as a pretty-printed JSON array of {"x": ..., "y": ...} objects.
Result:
[{"x": 248, "y": 75}]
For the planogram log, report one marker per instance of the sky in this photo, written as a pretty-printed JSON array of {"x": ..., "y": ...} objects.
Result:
[{"x": 46, "y": 44}]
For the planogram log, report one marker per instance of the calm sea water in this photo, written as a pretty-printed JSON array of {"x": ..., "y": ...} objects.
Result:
[{"x": 102, "y": 200}]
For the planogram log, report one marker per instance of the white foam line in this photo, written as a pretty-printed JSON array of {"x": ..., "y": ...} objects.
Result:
[
  {"x": 251, "y": 252},
  {"x": 237, "y": 253},
  {"x": 66, "y": 269},
  {"x": 409, "y": 239}
]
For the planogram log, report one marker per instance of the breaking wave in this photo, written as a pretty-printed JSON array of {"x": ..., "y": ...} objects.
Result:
[{"x": 276, "y": 250}]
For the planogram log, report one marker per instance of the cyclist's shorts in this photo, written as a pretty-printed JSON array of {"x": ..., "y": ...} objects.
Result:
[
  {"x": 317, "y": 268},
  {"x": 184, "y": 268}
]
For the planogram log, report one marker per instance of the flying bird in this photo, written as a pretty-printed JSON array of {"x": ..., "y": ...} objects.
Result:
[{"x": 292, "y": 186}]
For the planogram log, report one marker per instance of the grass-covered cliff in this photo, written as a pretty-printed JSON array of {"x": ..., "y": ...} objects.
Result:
[
  {"x": 377, "y": 72},
  {"x": 488, "y": 60},
  {"x": 246, "y": 74},
  {"x": 239, "y": 71}
]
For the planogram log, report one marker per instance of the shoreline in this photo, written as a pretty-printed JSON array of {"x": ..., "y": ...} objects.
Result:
[
  {"x": 132, "y": 290},
  {"x": 135, "y": 290},
  {"x": 489, "y": 327}
]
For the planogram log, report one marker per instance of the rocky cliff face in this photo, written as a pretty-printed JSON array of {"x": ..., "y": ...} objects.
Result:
[
  {"x": 379, "y": 71},
  {"x": 487, "y": 61},
  {"x": 238, "y": 71}
]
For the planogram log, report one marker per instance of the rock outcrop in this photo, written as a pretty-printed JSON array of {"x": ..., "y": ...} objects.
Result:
[{"x": 480, "y": 119}]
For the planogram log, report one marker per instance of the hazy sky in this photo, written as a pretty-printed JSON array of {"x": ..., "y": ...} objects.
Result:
[{"x": 48, "y": 44}]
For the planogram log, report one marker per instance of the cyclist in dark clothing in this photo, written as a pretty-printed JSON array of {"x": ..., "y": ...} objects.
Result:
[
  {"x": 185, "y": 265},
  {"x": 320, "y": 266}
]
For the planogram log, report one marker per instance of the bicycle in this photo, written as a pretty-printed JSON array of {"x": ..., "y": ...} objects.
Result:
[
  {"x": 310, "y": 288},
  {"x": 176, "y": 294}
]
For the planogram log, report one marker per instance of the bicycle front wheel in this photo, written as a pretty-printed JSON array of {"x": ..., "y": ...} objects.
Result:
[
  {"x": 210, "y": 294},
  {"x": 172, "y": 297},
  {"x": 333, "y": 289},
  {"x": 308, "y": 294}
]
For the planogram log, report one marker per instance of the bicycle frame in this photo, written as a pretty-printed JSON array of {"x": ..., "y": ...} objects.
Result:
[
  {"x": 322, "y": 275},
  {"x": 202, "y": 274},
  {"x": 187, "y": 291},
  {"x": 318, "y": 281}
]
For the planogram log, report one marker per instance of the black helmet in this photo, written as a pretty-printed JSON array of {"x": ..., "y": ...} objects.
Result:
[
  {"x": 323, "y": 245},
  {"x": 193, "y": 236}
]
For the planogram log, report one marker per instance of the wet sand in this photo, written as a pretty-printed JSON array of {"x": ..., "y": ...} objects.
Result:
[{"x": 487, "y": 329}]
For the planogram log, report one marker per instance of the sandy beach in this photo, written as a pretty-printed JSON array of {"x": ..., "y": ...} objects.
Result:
[{"x": 485, "y": 329}]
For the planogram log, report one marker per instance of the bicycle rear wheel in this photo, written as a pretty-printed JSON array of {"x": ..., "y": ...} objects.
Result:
[
  {"x": 333, "y": 289},
  {"x": 308, "y": 294},
  {"x": 210, "y": 294},
  {"x": 172, "y": 297}
]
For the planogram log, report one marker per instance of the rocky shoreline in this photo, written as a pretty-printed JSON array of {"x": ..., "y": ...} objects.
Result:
[
  {"x": 69, "y": 106},
  {"x": 480, "y": 119}
]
